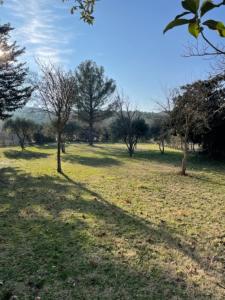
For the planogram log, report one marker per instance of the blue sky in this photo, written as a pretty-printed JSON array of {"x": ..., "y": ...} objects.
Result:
[{"x": 126, "y": 39}]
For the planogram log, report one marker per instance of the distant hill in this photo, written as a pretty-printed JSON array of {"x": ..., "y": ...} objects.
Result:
[
  {"x": 32, "y": 113},
  {"x": 39, "y": 116}
]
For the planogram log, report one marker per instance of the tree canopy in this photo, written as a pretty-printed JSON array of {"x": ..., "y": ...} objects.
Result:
[
  {"x": 14, "y": 92},
  {"x": 23, "y": 129},
  {"x": 94, "y": 94}
]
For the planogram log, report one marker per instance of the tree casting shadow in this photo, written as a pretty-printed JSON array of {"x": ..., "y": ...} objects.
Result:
[
  {"x": 196, "y": 161},
  {"x": 45, "y": 229}
]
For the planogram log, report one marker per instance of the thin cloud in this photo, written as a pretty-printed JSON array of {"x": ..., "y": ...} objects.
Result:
[{"x": 40, "y": 30}]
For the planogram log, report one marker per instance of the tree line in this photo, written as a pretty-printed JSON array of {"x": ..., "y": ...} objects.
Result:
[
  {"x": 79, "y": 101},
  {"x": 86, "y": 90}
]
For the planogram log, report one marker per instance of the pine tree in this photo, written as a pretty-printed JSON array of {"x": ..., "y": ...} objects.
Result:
[
  {"x": 14, "y": 92},
  {"x": 94, "y": 99}
]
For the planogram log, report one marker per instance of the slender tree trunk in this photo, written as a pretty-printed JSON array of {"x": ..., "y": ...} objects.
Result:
[
  {"x": 131, "y": 148},
  {"x": 22, "y": 145},
  {"x": 59, "y": 166},
  {"x": 91, "y": 135},
  {"x": 162, "y": 146},
  {"x": 63, "y": 147},
  {"x": 181, "y": 144},
  {"x": 185, "y": 156},
  {"x": 131, "y": 152}
]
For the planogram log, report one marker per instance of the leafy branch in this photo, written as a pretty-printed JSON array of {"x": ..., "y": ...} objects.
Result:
[
  {"x": 85, "y": 8},
  {"x": 196, "y": 25}
]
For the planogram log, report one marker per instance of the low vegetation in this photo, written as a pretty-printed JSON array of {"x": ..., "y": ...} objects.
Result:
[{"x": 110, "y": 227}]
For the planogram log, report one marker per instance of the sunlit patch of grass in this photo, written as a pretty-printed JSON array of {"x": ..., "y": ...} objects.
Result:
[
  {"x": 111, "y": 227},
  {"x": 4, "y": 207},
  {"x": 35, "y": 212}
]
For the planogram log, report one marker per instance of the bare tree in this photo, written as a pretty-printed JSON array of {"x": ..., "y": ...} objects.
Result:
[
  {"x": 128, "y": 126},
  {"x": 57, "y": 91},
  {"x": 203, "y": 49}
]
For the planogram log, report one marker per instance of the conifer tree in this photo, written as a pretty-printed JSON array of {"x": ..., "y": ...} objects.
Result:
[{"x": 14, "y": 92}]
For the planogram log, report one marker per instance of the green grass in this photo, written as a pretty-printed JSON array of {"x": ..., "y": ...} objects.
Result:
[{"x": 111, "y": 227}]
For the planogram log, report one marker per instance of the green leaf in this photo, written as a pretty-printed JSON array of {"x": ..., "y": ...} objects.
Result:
[
  {"x": 216, "y": 25},
  {"x": 191, "y": 5},
  {"x": 222, "y": 32},
  {"x": 207, "y": 6},
  {"x": 183, "y": 14},
  {"x": 175, "y": 23},
  {"x": 194, "y": 29},
  {"x": 221, "y": 29}
]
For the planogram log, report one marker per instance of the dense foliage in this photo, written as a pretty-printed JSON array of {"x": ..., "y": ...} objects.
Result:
[
  {"x": 23, "y": 129},
  {"x": 94, "y": 95},
  {"x": 14, "y": 92}
]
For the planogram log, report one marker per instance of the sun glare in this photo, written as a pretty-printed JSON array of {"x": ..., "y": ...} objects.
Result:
[{"x": 4, "y": 55}]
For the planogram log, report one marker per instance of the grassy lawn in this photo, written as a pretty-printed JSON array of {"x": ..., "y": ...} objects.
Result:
[{"x": 111, "y": 227}]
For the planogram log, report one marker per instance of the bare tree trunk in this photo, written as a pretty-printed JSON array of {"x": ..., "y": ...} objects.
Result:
[
  {"x": 22, "y": 143},
  {"x": 162, "y": 146},
  {"x": 185, "y": 156},
  {"x": 131, "y": 152},
  {"x": 131, "y": 148},
  {"x": 63, "y": 147},
  {"x": 59, "y": 167},
  {"x": 181, "y": 144},
  {"x": 90, "y": 135}
]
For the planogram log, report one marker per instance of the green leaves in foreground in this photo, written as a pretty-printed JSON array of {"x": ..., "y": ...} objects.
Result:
[
  {"x": 195, "y": 24},
  {"x": 216, "y": 25},
  {"x": 86, "y": 9},
  {"x": 194, "y": 28},
  {"x": 175, "y": 23},
  {"x": 191, "y": 5}
]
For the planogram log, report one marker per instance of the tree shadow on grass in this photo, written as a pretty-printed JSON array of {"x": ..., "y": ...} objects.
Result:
[
  {"x": 196, "y": 161},
  {"x": 46, "y": 146},
  {"x": 172, "y": 157},
  {"x": 92, "y": 161},
  {"x": 51, "y": 248},
  {"x": 26, "y": 154},
  {"x": 207, "y": 180}
]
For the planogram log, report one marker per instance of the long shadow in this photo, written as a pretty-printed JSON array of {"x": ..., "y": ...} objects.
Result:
[
  {"x": 46, "y": 241},
  {"x": 46, "y": 146},
  {"x": 92, "y": 161},
  {"x": 208, "y": 180},
  {"x": 26, "y": 154},
  {"x": 162, "y": 233},
  {"x": 145, "y": 155},
  {"x": 196, "y": 161}
]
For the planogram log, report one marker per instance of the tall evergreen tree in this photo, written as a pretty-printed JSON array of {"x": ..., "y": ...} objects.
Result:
[
  {"x": 94, "y": 91},
  {"x": 14, "y": 92}
]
